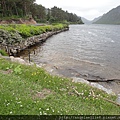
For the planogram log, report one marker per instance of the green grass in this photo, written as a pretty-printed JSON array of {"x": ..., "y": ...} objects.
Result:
[
  {"x": 3, "y": 53},
  {"x": 30, "y": 30},
  {"x": 28, "y": 90}
]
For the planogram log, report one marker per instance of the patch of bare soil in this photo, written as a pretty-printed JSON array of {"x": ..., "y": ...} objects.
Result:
[
  {"x": 42, "y": 94},
  {"x": 6, "y": 72}
]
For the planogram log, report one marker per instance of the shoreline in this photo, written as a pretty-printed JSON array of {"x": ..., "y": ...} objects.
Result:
[
  {"x": 52, "y": 70},
  {"x": 34, "y": 86},
  {"x": 13, "y": 50},
  {"x": 109, "y": 86},
  {"x": 32, "y": 41},
  {"x": 18, "y": 37}
]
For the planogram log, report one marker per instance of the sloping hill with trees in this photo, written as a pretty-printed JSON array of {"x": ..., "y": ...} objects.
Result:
[
  {"x": 14, "y": 9},
  {"x": 112, "y": 17}
]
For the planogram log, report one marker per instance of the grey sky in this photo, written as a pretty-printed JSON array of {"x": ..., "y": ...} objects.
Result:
[{"x": 89, "y": 9}]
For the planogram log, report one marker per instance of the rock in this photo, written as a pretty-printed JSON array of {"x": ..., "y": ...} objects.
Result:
[
  {"x": 14, "y": 40},
  {"x": 6, "y": 57},
  {"x": 32, "y": 21},
  {"x": 9, "y": 38},
  {"x": 75, "y": 79},
  {"x": 1, "y": 39},
  {"x": 118, "y": 99},
  {"x": 96, "y": 85},
  {"x": 18, "y": 21},
  {"x": 4, "y": 22},
  {"x": 17, "y": 59},
  {"x": 14, "y": 51}
]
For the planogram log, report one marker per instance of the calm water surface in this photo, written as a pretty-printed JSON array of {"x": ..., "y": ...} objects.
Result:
[{"x": 84, "y": 49}]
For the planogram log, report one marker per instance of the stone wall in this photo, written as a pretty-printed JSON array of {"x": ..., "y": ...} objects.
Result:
[{"x": 13, "y": 44}]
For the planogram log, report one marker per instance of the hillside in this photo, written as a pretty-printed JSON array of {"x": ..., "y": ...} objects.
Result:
[
  {"x": 112, "y": 17},
  {"x": 39, "y": 13},
  {"x": 85, "y": 20},
  {"x": 96, "y": 19},
  {"x": 90, "y": 21}
]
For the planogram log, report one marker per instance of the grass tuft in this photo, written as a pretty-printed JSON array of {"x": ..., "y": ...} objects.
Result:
[{"x": 3, "y": 53}]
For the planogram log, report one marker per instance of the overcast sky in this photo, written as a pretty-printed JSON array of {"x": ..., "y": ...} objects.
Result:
[{"x": 89, "y": 9}]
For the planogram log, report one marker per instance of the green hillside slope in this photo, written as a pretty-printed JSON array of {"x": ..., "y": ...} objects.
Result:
[{"x": 112, "y": 17}]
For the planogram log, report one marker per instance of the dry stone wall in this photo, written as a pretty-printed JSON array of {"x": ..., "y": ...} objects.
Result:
[{"x": 14, "y": 43}]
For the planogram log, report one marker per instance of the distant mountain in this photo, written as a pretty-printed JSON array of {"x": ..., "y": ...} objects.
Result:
[
  {"x": 96, "y": 19},
  {"x": 85, "y": 20},
  {"x": 88, "y": 21},
  {"x": 112, "y": 17}
]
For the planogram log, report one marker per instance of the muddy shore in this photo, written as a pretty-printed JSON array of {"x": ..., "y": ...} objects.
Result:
[{"x": 109, "y": 87}]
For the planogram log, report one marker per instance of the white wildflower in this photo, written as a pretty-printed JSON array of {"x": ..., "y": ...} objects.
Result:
[
  {"x": 53, "y": 110},
  {"x": 47, "y": 109},
  {"x": 16, "y": 98},
  {"x": 45, "y": 113},
  {"x": 8, "y": 104},
  {"x": 19, "y": 102},
  {"x": 21, "y": 105},
  {"x": 10, "y": 112},
  {"x": 40, "y": 113}
]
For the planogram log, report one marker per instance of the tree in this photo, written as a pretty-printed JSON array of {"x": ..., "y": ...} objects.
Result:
[
  {"x": 38, "y": 12},
  {"x": 59, "y": 15},
  {"x": 3, "y": 7},
  {"x": 26, "y": 6},
  {"x": 23, "y": 8}
]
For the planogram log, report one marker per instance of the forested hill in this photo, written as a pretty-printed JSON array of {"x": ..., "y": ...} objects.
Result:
[
  {"x": 112, "y": 17},
  {"x": 23, "y": 8}
]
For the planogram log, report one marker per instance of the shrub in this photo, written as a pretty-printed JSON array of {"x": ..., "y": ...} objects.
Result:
[{"x": 29, "y": 30}]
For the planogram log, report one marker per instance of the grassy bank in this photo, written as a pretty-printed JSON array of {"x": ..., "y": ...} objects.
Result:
[
  {"x": 31, "y": 30},
  {"x": 17, "y": 37},
  {"x": 30, "y": 90}
]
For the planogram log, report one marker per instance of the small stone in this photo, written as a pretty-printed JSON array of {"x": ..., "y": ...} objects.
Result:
[
  {"x": 75, "y": 79},
  {"x": 118, "y": 99},
  {"x": 96, "y": 85}
]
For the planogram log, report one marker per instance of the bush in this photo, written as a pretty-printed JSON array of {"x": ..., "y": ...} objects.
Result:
[{"x": 29, "y": 30}]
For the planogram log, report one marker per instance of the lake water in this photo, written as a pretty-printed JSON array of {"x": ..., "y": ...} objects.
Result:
[
  {"x": 86, "y": 50},
  {"x": 93, "y": 49}
]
